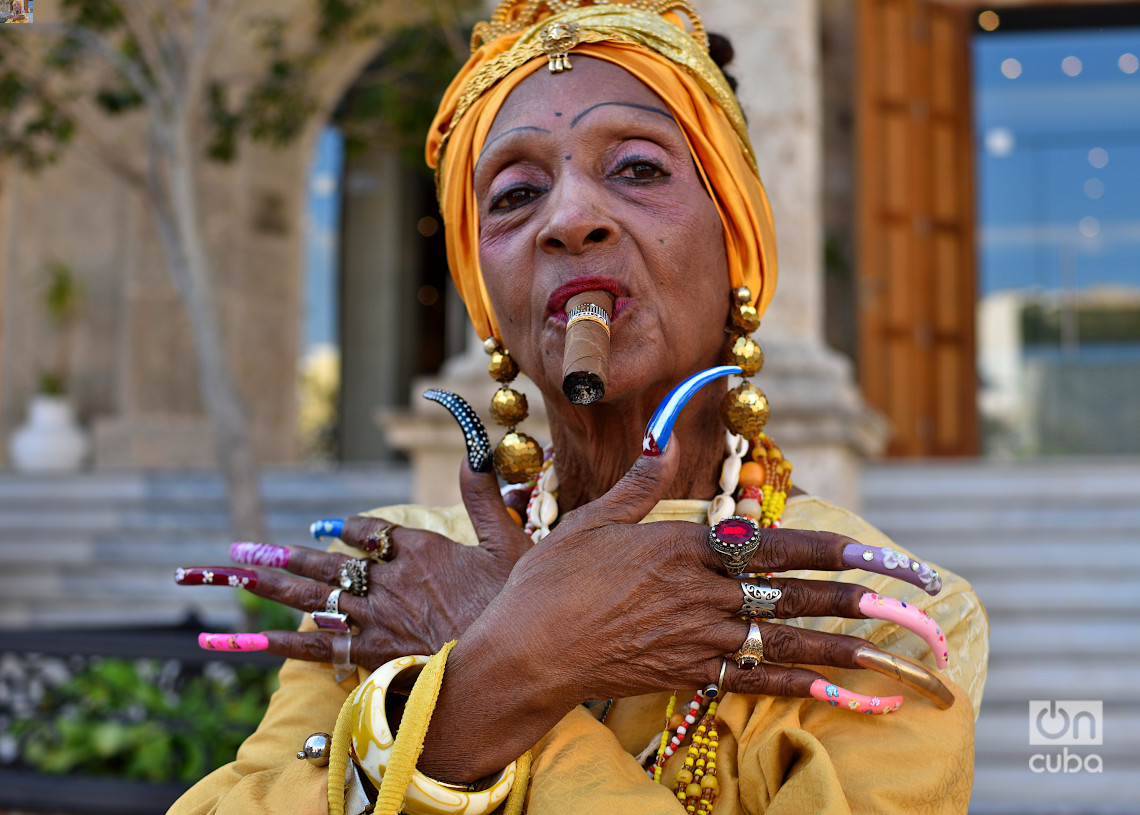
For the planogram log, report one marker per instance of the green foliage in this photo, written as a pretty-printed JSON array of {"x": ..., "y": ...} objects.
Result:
[
  {"x": 395, "y": 99},
  {"x": 98, "y": 15},
  {"x": 1097, "y": 323},
  {"x": 117, "y": 718},
  {"x": 63, "y": 292}
]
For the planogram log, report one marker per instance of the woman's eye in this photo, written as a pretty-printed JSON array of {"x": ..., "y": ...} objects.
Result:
[
  {"x": 641, "y": 170},
  {"x": 512, "y": 198}
]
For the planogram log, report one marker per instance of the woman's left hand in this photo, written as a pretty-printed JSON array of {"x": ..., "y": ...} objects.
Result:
[{"x": 606, "y": 607}]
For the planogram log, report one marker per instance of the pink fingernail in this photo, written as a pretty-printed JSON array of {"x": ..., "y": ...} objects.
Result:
[
  {"x": 836, "y": 696},
  {"x": 216, "y": 576},
  {"x": 259, "y": 554},
  {"x": 881, "y": 607},
  {"x": 233, "y": 642}
]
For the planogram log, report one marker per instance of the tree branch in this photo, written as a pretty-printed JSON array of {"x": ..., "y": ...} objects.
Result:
[
  {"x": 141, "y": 23},
  {"x": 101, "y": 48}
]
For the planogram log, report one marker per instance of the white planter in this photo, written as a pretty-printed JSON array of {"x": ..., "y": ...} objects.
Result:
[{"x": 50, "y": 441}]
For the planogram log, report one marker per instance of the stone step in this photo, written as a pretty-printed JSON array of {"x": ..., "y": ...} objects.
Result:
[
  {"x": 1108, "y": 677},
  {"x": 1046, "y": 597},
  {"x": 1040, "y": 638},
  {"x": 1100, "y": 480},
  {"x": 1015, "y": 790},
  {"x": 382, "y": 484}
]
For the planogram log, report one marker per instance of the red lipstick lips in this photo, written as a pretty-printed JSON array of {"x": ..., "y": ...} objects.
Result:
[{"x": 557, "y": 302}]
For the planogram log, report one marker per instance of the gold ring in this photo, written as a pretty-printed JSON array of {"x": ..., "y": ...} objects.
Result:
[{"x": 751, "y": 653}]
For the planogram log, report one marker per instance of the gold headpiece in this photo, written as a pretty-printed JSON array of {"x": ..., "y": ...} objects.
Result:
[
  {"x": 513, "y": 16},
  {"x": 672, "y": 28}
]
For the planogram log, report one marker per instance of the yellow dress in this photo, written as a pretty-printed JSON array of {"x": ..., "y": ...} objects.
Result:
[{"x": 777, "y": 755}]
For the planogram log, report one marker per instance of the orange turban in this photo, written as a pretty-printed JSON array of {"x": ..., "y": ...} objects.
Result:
[{"x": 649, "y": 39}]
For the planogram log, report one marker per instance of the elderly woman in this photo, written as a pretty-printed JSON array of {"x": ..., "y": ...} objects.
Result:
[{"x": 597, "y": 154}]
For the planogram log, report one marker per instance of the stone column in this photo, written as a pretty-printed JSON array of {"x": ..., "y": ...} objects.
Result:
[{"x": 818, "y": 415}]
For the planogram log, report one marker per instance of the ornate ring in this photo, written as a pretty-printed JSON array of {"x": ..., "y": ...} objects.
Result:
[
  {"x": 354, "y": 577},
  {"x": 735, "y": 540},
  {"x": 751, "y": 653},
  {"x": 331, "y": 618},
  {"x": 713, "y": 690},
  {"x": 759, "y": 599},
  {"x": 378, "y": 544}
]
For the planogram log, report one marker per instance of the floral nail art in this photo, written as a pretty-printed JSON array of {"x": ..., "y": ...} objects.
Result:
[{"x": 216, "y": 576}]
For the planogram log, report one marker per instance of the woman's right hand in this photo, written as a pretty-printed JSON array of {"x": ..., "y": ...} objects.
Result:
[{"x": 606, "y": 607}]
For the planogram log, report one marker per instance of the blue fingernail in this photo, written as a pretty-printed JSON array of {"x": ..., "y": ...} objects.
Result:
[
  {"x": 474, "y": 434},
  {"x": 330, "y": 528},
  {"x": 660, "y": 427}
]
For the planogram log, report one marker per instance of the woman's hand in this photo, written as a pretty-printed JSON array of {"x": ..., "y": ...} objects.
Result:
[
  {"x": 605, "y": 607},
  {"x": 423, "y": 591}
]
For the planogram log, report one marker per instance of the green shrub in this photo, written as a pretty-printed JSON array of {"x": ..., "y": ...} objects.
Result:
[{"x": 142, "y": 719}]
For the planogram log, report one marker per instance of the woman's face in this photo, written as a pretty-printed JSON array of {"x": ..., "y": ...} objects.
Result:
[{"x": 586, "y": 182}]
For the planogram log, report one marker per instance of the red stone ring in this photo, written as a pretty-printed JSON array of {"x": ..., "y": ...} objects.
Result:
[{"x": 735, "y": 540}]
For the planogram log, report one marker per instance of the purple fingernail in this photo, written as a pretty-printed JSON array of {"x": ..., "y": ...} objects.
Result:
[
  {"x": 892, "y": 563},
  {"x": 259, "y": 554},
  {"x": 215, "y": 576}
]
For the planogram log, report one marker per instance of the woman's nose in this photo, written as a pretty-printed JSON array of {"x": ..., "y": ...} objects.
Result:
[{"x": 576, "y": 221}]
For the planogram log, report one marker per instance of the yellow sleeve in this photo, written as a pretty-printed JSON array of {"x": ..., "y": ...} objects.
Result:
[
  {"x": 579, "y": 767},
  {"x": 782, "y": 756},
  {"x": 266, "y": 776}
]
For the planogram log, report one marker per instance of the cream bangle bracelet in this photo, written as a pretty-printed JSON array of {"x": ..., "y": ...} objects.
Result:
[{"x": 372, "y": 742}]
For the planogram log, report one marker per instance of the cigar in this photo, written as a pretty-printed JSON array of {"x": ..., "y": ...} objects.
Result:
[{"x": 586, "y": 368}]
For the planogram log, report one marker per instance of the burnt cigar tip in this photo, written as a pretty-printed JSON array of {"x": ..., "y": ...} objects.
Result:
[{"x": 583, "y": 387}]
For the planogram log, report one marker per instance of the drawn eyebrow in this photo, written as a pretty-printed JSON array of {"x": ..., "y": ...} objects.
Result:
[
  {"x": 647, "y": 108},
  {"x": 507, "y": 133}
]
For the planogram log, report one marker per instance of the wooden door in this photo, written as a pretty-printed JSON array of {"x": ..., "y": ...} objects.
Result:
[{"x": 915, "y": 222}]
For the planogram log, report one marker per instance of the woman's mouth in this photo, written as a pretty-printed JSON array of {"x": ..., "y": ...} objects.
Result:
[{"x": 556, "y": 305}]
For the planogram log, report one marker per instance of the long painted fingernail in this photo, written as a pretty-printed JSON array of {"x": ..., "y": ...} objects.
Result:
[
  {"x": 912, "y": 674},
  {"x": 892, "y": 563},
  {"x": 893, "y": 610},
  {"x": 259, "y": 554},
  {"x": 836, "y": 696},
  {"x": 660, "y": 427},
  {"x": 216, "y": 576},
  {"x": 474, "y": 433},
  {"x": 329, "y": 528},
  {"x": 233, "y": 642}
]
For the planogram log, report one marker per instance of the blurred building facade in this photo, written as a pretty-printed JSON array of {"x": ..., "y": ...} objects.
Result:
[{"x": 861, "y": 117}]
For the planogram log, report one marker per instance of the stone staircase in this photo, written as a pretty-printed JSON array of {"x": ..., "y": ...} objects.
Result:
[
  {"x": 1053, "y": 550},
  {"x": 100, "y": 550}
]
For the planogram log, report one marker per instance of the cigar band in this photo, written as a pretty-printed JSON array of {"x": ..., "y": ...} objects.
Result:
[{"x": 588, "y": 311}]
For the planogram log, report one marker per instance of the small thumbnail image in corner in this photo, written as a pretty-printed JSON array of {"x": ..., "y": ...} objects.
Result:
[{"x": 15, "y": 11}]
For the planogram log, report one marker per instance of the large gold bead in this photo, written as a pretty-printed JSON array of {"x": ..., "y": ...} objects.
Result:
[
  {"x": 502, "y": 366},
  {"x": 747, "y": 353},
  {"x": 518, "y": 458},
  {"x": 746, "y": 317},
  {"x": 745, "y": 410},
  {"x": 508, "y": 407}
]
